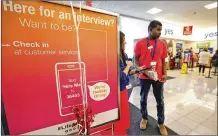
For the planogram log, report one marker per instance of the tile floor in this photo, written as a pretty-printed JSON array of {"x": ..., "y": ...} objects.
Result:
[{"x": 190, "y": 103}]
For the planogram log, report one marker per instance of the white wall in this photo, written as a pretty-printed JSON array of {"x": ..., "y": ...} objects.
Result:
[
  {"x": 136, "y": 29},
  {"x": 133, "y": 29},
  {"x": 205, "y": 34},
  {"x": 177, "y": 32}
]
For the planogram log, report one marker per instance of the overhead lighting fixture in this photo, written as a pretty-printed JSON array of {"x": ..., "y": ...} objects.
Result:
[
  {"x": 154, "y": 11},
  {"x": 211, "y": 6}
]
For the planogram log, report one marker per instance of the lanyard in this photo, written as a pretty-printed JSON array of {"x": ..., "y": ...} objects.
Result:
[{"x": 155, "y": 45}]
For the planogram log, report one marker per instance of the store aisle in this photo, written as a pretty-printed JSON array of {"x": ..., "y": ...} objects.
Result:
[{"x": 190, "y": 103}]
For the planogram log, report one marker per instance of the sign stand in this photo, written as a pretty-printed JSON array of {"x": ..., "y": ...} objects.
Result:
[
  {"x": 215, "y": 72},
  {"x": 191, "y": 69},
  {"x": 112, "y": 128},
  {"x": 209, "y": 71},
  {"x": 192, "y": 65},
  {"x": 106, "y": 129}
]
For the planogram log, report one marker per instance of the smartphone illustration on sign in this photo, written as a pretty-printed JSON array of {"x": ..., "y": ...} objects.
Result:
[{"x": 69, "y": 86}]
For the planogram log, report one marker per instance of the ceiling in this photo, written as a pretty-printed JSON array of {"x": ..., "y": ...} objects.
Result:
[{"x": 176, "y": 12}]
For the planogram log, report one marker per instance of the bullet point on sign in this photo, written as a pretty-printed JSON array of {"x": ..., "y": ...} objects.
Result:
[{"x": 6, "y": 45}]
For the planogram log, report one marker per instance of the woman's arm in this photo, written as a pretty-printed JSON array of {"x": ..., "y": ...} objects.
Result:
[
  {"x": 126, "y": 70},
  {"x": 132, "y": 72}
]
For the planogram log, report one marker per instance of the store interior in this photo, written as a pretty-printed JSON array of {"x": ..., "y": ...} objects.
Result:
[{"x": 197, "y": 46}]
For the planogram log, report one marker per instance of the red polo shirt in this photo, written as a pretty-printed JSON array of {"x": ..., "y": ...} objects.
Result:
[{"x": 141, "y": 49}]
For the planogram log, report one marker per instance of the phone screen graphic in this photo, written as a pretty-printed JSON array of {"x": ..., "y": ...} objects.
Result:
[{"x": 69, "y": 87}]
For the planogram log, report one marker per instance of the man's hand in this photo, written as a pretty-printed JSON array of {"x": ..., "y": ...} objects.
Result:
[
  {"x": 140, "y": 68},
  {"x": 163, "y": 79},
  {"x": 147, "y": 74},
  {"x": 134, "y": 71}
]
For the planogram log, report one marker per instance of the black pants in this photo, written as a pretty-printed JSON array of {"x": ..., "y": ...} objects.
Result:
[
  {"x": 191, "y": 63},
  {"x": 201, "y": 66},
  {"x": 158, "y": 94}
]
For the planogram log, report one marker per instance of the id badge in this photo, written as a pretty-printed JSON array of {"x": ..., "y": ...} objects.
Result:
[
  {"x": 149, "y": 48},
  {"x": 129, "y": 86},
  {"x": 153, "y": 63}
]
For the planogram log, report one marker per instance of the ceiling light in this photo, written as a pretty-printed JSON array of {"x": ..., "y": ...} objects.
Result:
[
  {"x": 211, "y": 6},
  {"x": 154, "y": 11}
]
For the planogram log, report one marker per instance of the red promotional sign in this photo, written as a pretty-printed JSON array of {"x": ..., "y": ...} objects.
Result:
[
  {"x": 187, "y": 30},
  {"x": 88, "y": 3},
  {"x": 42, "y": 80}
]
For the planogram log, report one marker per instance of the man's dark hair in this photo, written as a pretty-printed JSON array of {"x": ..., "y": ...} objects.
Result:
[{"x": 153, "y": 24}]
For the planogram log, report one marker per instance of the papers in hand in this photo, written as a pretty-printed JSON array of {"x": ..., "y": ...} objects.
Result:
[{"x": 152, "y": 74}]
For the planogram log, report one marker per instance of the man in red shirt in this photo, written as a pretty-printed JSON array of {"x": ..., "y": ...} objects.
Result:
[{"x": 151, "y": 52}]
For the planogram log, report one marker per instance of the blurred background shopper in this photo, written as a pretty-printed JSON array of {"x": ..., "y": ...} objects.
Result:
[
  {"x": 191, "y": 58},
  {"x": 204, "y": 57},
  {"x": 215, "y": 59},
  {"x": 178, "y": 58}
]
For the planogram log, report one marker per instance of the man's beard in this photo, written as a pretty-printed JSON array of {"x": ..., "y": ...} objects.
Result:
[{"x": 157, "y": 37}]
